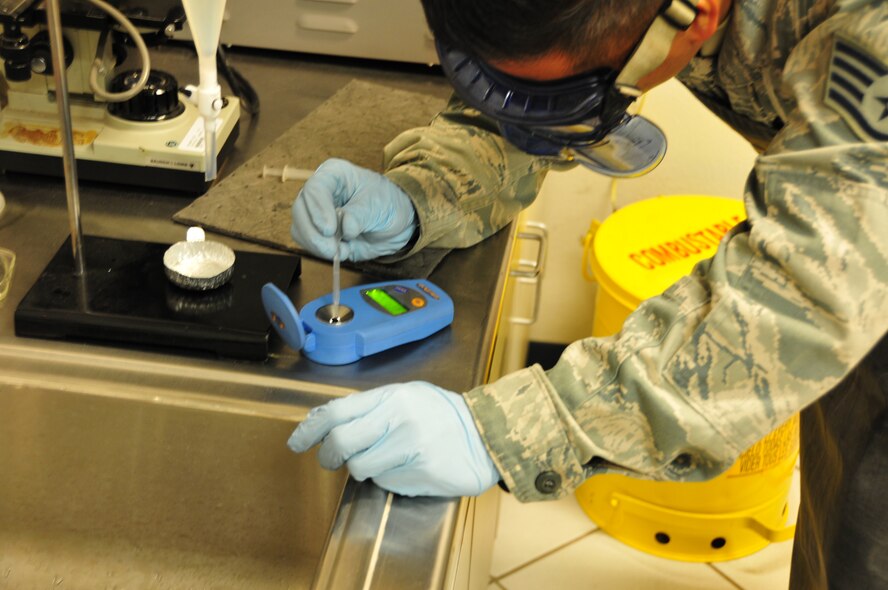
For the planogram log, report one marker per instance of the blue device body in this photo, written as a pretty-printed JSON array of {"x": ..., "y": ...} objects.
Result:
[{"x": 386, "y": 314}]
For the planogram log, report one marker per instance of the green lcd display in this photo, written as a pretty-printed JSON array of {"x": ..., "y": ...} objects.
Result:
[{"x": 385, "y": 301}]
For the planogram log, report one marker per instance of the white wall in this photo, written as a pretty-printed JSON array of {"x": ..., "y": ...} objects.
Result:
[{"x": 705, "y": 157}]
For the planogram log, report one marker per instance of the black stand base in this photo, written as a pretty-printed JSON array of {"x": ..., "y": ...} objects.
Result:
[{"x": 125, "y": 297}]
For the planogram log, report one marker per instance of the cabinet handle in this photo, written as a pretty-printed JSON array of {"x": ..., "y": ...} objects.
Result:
[
  {"x": 530, "y": 272},
  {"x": 328, "y": 23},
  {"x": 531, "y": 269}
]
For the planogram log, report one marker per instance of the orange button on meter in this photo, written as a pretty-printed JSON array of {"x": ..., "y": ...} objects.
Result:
[{"x": 417, "y": 302}]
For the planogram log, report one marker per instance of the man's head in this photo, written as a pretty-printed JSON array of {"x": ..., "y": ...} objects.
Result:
[
  {"x": 588, "y": 34},
  {"x": 559, "y": 75},
  {"x": 553, "y": 39}
]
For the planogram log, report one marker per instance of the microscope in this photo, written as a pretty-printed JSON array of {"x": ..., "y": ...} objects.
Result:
[{"x": 155, "y": 139}]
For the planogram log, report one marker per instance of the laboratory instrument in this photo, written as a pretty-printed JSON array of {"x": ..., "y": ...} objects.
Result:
[
  {"x": 118, "y": 290},
  {"x": 369, "y": 319},
  {"x": 155, "y": 137},
  {"x": 198, "y": 264},
  {"x": 124, "y": 296}
]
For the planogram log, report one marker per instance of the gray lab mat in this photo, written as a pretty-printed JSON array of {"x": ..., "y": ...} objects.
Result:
[{"x": 354, "y": 124}]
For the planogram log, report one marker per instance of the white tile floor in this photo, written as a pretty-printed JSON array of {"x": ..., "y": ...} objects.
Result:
[{"x": 554, "y": 546}]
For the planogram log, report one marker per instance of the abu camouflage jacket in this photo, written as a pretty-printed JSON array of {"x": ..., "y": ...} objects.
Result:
[{"x": 794, "y": 298}]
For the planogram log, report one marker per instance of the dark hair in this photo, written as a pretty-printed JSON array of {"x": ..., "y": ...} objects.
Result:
[{"x": 596, "y": 33}]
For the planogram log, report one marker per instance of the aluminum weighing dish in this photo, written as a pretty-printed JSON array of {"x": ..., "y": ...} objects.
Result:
[{"x": 197, "y": 264}]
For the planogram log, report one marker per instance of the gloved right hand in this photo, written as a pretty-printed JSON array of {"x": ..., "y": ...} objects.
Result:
[
  {"x": 377, "y": 217},
  {"x": 415, "y": 439}
]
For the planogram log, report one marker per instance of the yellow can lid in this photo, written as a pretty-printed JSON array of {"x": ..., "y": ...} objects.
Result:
[{"x": 643, "y": 248}]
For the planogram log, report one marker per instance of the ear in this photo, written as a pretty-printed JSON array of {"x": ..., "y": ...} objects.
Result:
[{"x": 707, "y": 21}]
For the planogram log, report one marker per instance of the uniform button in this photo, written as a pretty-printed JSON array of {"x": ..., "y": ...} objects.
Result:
[
  {"x": 548, "y": 482},
  {"x": 683, "y": 461}
]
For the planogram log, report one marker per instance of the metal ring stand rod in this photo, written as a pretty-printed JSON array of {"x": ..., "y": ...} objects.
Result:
[{"x": 69, "y": 162}]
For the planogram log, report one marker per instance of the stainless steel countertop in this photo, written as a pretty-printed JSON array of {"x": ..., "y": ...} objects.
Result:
[
  {"x": 290, "y": 86},
  {"x": 35, "y": 224}
]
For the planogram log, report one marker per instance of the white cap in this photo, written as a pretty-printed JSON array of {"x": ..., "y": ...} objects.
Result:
[{"x": 195, "y": 234}]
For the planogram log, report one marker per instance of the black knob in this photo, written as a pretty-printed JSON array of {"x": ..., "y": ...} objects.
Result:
[
  {"x": 41, "y": 54},
  {"x": 158, "y": 100},
  {"x": 15, "y": 49}
]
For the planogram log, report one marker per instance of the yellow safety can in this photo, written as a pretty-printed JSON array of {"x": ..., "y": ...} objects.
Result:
[{"x": 636, "y": 254}]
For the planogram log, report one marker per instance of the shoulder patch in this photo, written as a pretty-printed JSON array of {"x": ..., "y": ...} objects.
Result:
[{"x": 857, "y": 90}]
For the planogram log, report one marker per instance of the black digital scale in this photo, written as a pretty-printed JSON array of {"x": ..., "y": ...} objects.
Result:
[{"x": 125, "y": 297}]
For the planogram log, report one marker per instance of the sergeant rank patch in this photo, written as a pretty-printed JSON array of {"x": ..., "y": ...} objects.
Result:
[{"x": 858, "y": 91}]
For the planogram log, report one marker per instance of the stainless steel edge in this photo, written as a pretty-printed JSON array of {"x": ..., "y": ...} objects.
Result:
[
  {"x": 173, "y": 382},
  {"x": 382, "y": 540}
]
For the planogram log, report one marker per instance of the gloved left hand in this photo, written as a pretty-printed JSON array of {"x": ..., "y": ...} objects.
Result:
[
  {"x": 378, "y": 218},
  {"x": 414, "y": 439}
]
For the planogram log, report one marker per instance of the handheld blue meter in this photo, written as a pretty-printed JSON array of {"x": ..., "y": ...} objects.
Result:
[{"x": 369, "y": 319}]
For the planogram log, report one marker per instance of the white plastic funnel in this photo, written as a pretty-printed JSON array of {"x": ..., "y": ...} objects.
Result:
[{"x": 205, "y": 21}]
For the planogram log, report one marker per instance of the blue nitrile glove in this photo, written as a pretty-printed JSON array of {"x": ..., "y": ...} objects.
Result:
[
  {"x": 377, "y": 217},
  {"x": 414, "y": 439}
]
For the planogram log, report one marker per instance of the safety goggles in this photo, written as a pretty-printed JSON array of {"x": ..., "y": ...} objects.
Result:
[{"x": 582, "y": 118}]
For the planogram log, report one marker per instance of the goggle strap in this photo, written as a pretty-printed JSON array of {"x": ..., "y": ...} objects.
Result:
[{"x": 656, "y": 44}]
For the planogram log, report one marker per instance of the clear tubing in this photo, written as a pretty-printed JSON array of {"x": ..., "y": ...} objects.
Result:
[
  {"x": 98, "y": 65},
  {"x": 210, "y": 149},
  {"x": 209, "y": 103}
]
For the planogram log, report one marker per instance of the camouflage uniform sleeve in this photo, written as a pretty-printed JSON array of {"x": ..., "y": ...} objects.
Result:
[
  {"x": 466, "y": 182},
  {"x": 794, "y": 298}
]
